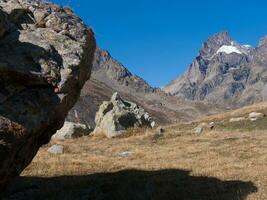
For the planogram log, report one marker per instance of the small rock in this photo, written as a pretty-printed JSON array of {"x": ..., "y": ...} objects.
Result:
[
  {"x": 160, "y": 130},
  {"x": 211, "y": 125},
  {"x": 153, "y": 124},
  {"x": 255, "y": 116},
  {"x": 125, "y": 153},
  {"x": 56, "y": 149},
  {"x": 198, "y": 130},
  {"x": 237, "y": 119},
  {"x": 253, "y": 119},
  {"x": 204, "y": 127}
]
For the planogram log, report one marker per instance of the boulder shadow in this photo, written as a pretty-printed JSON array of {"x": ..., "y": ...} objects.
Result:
[{"x": 168, "y": 184}]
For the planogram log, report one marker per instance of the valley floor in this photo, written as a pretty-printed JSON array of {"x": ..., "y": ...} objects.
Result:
[{"x": 221, "y": 164}]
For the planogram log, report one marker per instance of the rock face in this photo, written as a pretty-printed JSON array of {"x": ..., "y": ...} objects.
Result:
[
  {"x": 117, "y": 115},
  {"x": 45, "y": 58},
  {"x": 72, "y": 130},
  {"x": 225, "y": 72}
]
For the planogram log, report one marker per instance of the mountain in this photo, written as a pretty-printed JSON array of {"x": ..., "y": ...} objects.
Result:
[
  {"x": 109, "y": 76},
  {"x": 225, "y": 72}
]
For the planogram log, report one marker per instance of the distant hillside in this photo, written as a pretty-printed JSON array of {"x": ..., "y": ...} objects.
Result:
[
  {"x": 109, "y": 76},
  {"x": 225, "y": 72}
]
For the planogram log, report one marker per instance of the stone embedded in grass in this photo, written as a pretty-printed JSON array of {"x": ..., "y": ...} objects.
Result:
[
  {"x": 254, "y": 116},
  {"x": 125, "y": 153},
  {"x": 198, "y": 130},
  {"x": 237, "y": 119},
  {"x": 204, "y": 127},
  {"x": 56, "y": 149},
  {"x": 160, "y": 130}
]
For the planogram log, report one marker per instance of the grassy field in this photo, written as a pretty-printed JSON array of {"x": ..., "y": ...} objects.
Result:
[{"x": 227, "y": 163}]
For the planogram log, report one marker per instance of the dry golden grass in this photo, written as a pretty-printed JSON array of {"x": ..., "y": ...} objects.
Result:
[
  {"x": 178, "y": 165},
  {"x": 222, "y": 164},
  {"x": 259, "y": 107}
]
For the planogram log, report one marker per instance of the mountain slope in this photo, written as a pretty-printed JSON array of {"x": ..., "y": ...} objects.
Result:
[
  {"x": 224, "y": 72},
  {"x": 109, "y": 76}
]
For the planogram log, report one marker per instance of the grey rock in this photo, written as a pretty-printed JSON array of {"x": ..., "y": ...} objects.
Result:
[
  {"x": 116, "y": 116},
  {"x": 153, "y": 124},
  {"x": 198, "y": 130},
  {"x": 204, "y": 127},
  {"x": 255, "y": 116},
  {"x": 125, "y": 153},
  {"x": 237, "y": 119},
  {"x": 72, "y": 130},
  {"x": 56, "y": 149},
  {"x": 42, "y": 71},
  {"x": 160, "y": 131},
  {"x": 212, "y": 125}
]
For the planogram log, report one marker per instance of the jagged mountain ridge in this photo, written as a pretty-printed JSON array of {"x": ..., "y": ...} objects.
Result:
[
  {"x": 109, "y": 76},
  {"x": 225, "y": 72},
  {"x": 111, "y": 72}
]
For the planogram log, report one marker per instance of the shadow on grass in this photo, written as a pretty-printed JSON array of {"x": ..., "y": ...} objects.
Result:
[{"x": 131, "y": 185}]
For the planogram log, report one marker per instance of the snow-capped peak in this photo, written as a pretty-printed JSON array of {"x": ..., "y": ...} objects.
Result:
[{"x": 228, "y": 49}]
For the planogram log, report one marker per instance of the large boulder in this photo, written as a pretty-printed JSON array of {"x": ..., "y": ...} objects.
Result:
[
  {"x": 72, "y": 130},
  {"x": 117, "y": 115},
  {"x": 45, "y": 58}
]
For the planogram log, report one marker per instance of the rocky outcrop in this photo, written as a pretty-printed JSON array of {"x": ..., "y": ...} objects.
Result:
[
  {"x": 117, "y": 115},
  {"x": 45, "y": 58},
  {"x": 225, "y": 72}
]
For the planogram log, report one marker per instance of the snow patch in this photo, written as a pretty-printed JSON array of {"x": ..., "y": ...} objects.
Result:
[
  {"x": 247, "y": 46},
  {"x": 228, "y": 49}
]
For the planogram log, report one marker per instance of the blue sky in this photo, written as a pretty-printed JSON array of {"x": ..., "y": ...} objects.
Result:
[{"x": 157, "y": 39}]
